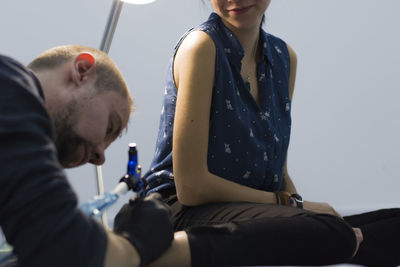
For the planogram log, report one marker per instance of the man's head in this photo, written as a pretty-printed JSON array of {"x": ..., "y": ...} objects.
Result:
[{"x": 87, "y": 99}]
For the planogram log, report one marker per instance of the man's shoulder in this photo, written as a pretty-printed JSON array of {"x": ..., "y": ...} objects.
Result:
[
  {"x": 15, "y": 75},
  {"x": 10, "y": 65}
]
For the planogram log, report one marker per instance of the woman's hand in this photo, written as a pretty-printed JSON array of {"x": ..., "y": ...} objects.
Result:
[{"x": 320, "y": 207}]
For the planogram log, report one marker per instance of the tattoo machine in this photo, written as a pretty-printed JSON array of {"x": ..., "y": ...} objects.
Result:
[{"x": 132, "y": 180}]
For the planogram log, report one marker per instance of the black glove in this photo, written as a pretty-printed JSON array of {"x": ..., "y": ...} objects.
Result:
[{"x": 147, "y": 224}]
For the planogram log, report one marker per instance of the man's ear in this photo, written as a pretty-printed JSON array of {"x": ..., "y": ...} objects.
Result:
[{"x": 83, "y": 66}]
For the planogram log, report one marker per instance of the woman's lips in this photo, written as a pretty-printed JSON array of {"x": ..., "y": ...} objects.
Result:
[{"x": 240, "y": 10}]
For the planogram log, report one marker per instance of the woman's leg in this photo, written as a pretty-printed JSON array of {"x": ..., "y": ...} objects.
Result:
[
  {"x": 217, "y": 213},
  {"x": 299, "y": 240},
  {"x": 229, "y": 234},
  {"x": 177, "y": 255},
  {"x": 381, "y": 232}
]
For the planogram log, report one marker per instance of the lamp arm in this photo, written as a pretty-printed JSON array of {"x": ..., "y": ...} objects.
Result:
[
  {"x": 105, "y": 47},
  {"x": 111, "y": 25}
]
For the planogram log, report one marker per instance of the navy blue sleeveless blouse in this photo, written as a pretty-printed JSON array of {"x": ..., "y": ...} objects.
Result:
[{"x": 247, "y": 142}]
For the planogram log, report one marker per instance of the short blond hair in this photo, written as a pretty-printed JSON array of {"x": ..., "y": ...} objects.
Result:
[{"x": 109, "y": 77}]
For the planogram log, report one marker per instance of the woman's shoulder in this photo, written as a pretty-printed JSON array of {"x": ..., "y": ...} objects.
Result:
[
  {"x": 203, "y": 35},
  {"x": 196, "y": 43},
  {"x": 194, "y": 57}
]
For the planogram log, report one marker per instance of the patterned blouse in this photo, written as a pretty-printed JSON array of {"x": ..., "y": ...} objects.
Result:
[{"x": 248, "y": 142}]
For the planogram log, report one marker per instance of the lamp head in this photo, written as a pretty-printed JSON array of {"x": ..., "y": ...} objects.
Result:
[{"x": 138, "y": 2}]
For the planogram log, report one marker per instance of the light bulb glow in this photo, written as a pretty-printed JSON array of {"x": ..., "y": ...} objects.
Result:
[{"x": 138, "y": 2}]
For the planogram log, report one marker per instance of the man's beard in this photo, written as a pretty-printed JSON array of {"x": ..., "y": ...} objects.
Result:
[
  {"x": 66, "y": 140},
  {"x": 67, "y": 143}
]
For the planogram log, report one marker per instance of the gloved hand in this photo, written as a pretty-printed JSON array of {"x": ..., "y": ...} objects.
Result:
[{"x": 147, "y": 224}]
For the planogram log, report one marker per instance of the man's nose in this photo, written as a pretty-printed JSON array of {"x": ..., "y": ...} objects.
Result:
[{"x": 98, "y": 157}]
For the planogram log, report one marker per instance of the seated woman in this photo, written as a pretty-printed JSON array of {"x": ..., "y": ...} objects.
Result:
[{"x": 220, "y": 158}]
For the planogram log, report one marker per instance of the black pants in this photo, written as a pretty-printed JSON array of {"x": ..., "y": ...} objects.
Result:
[{"x": 244, "y": 234}]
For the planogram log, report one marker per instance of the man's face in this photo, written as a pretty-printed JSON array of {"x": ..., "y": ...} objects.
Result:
[{"x": 88, "y": 125}]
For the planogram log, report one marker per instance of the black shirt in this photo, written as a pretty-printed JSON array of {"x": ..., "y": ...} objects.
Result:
[{"x": 38, "y": 208}]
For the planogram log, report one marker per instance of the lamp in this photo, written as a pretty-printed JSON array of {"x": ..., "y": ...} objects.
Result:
[
  {"x": 108, "y": 35},
  {"x": 138, "y": 2},
  {"x": 113, "y": 20}
]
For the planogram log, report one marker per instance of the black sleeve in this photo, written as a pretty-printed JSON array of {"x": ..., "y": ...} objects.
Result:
[{"x": 38, "y": 209}]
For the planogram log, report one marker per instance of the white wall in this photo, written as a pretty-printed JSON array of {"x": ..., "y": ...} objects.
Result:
[{"x": 344, "y": 147}]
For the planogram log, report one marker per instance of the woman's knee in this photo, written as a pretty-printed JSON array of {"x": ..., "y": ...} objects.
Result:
[{"x": 339, "y": 236}]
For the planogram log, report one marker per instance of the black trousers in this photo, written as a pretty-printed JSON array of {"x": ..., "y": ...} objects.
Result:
[{"x": 245, "y": 234}]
